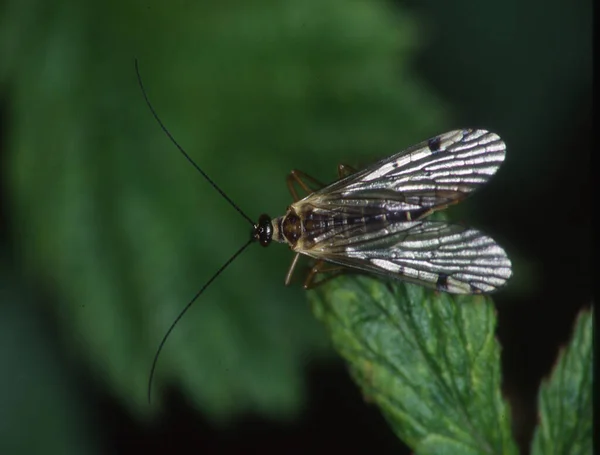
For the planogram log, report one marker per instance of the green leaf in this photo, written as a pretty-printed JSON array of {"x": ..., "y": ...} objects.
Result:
[
  {"x": 565, "y": 400},
  {"x": 120, "y": 228},
  {"x": 429, "y": 360}
]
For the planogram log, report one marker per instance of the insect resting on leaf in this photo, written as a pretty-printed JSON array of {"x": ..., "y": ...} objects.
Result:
[{"x": 374, "y": 221}]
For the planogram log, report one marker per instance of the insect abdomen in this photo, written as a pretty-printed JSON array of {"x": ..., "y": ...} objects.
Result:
[{"x": 318, "y": 227}]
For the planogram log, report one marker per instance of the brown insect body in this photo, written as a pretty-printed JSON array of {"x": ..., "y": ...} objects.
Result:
[
  {"x": 305, "y": 227},
  {"x": 373, "y": 220},
  {"x": 314, "y": 231}
]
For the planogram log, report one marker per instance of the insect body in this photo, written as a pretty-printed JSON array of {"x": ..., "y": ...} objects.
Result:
[{"x": 372, "y": 220}]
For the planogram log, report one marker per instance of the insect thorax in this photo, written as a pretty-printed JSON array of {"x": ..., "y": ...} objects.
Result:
[
  {"x": 293, "y": 228},
  {"x": 288, "y": 228},
  {"x": 302, "y": 227}
]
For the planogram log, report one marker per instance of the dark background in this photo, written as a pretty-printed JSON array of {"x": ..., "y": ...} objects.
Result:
[{"x": 106, "y": 232}]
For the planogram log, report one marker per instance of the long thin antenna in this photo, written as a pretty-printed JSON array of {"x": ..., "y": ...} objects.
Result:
[
  {"x": 164, "y": 128},
  {"x": 187, "y": 307}
]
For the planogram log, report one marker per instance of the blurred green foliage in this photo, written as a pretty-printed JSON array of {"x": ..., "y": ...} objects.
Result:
[
  {"x": 40, "y": 407},
  {"x": 524, "y": 68},
  {"x": 124, "y": 231},
  {"x": 109, "y": 220}
]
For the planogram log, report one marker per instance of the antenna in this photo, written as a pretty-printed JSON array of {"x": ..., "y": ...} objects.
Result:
[
  {"x": 224, "y": 266},
  {"x": 198, "y": 168},
  {"x": 187, "y": 307}
]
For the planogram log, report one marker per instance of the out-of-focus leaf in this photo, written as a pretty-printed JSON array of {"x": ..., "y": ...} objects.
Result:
[
  {"x": 565, "y": 400},
  {"x": 429, "y": 360},
  {"x": 494, "y": 61},
  {"x": 113, "y": 220},
  {"x": 40, "y": 412}
]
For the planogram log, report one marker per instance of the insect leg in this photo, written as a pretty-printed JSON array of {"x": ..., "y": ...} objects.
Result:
[
  {"x": 300, "y": 178},
  {"x": 344, "y": 170},
  {"x": 323, "y": 268},
  {"x": 288, "y": 277}
]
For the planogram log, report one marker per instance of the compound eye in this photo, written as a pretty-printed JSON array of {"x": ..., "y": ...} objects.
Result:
[{"x": 264, "y": 219}]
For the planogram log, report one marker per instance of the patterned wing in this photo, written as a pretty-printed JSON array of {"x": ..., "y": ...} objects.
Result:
[
  {"x": 447, "y": 257},
  {"x": 426, "y": 177}
]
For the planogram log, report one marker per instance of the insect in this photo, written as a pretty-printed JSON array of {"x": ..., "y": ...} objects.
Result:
[{"x": 374, "y": 221}]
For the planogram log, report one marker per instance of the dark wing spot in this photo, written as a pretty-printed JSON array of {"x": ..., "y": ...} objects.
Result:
[
  {"x": 442, "y": 282},
  {"x": 434, "y": 144}
]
